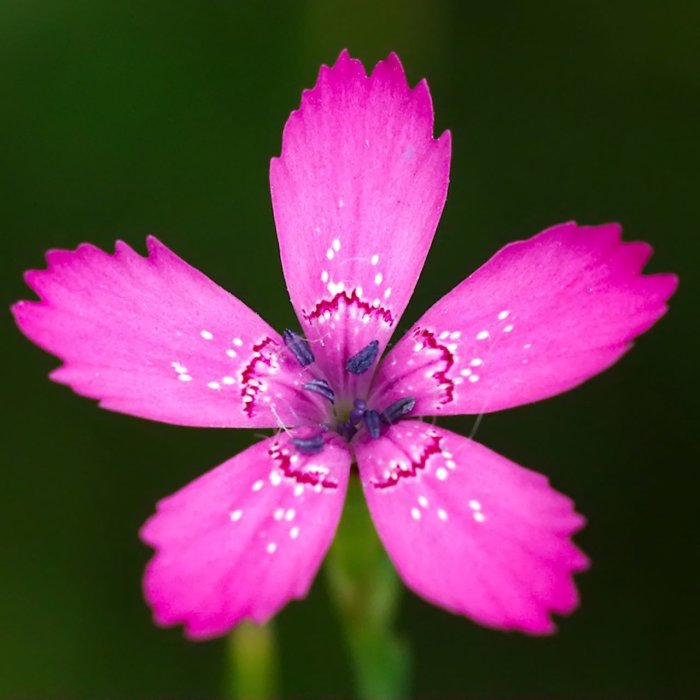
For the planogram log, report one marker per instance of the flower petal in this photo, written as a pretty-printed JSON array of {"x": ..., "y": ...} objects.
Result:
[
  {"x": 357, "y": 194},
  {"x": 155, "y": 338},
  {"x": 540, "y": 317},
  {"x": 469, "y": 530},
  {"x": 245, "y": 538}
]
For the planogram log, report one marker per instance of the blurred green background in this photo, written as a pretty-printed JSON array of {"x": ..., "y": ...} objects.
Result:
[{"x": 122, "y": 118}]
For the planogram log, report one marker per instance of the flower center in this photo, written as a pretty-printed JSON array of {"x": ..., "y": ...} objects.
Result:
[{"x": 348, "y": 415}]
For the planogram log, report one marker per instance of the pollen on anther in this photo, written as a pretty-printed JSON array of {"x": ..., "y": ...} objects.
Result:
[
  {"x": 415, "y": 513},
  {"x": 207, "y": 335},
  {"x": 236, "y": 515}
]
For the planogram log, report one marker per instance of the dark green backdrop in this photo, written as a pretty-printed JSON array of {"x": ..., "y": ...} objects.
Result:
[{"x": 121, "y": 118}]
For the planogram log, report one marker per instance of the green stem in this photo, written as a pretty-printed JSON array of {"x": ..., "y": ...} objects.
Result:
[
  {"x": 366, "y": 590},
  {"x": 252, "y": 668}
]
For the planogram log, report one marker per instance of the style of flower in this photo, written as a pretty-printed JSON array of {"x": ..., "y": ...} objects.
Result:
[{"x": 357, "y": 193}]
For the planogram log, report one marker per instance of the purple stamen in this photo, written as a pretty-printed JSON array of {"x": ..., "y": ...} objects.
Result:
[
  {"x": 398, "y": 410},
  {"x": 299, "y": 347},
  {"x": 363, "y": 360},
  {"x": 309, "y": 446},
  {"x": 360, "y": 406},
  {"x": 372, "y": 423},
  {"x": 321, "y": 386}
]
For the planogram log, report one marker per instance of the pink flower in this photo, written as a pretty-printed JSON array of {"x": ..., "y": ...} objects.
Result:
[{"x": 357, "y": 194}]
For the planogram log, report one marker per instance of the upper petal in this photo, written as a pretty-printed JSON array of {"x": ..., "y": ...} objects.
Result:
[
  {"x": 469, "y": 530},
  {"x": 245, "y": 538},
  {"x": 540, "y": 317},
  {"x": 357, "y": 194},
  {"x": 153, "y": 337}
]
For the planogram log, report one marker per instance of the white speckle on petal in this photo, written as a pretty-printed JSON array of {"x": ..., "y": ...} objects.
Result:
[
  {"x": 474, "y": 504},
  {"x": 237, "y": 342},
  {"x": 482, "y": 335},
  {"x": 455, "y": 335},
  {"x": 387, "y": 292},
  {"x": 184, "y": 377},
  {"x": 228, "y": 380},
  {"x": 290, "y": 515},
  {"x": 330, "y": 254},
  {"x": 271, "y": 548},
  {"x": 258, "y": 485},
  {"x": 527, "y": 346},
  {"x": 476, "y": 362},
  {"x": 294, "y": 532},
  {"x": 423, "y": 501},
  {"x": 278, "y": 514},
  {"x": 465, "y": 372},
  {"x": 236, "y": 515},
  {"x": 378, "y": 278},
  {"x": 324, "y": 276},
  {"x": 375, "y": 259},
  {"x": 231, "y": 353},
  {"x": 207, "y": 335},
  {"x": 336, "y": 242},
  {"x": 479, "y": 517},
  {"x": 415, "y": 513},
  {"x": 442, "y": 514},
  {"x": 444, "y": 335},
  {"x": 441, "y": 473},
  {"x": 474, "y": 378},
  {"x": 508, "y": 328},
  {"x": 298, "y": 489},
  {"x": 214, "y": 385},
  {"x": 275, "y": 478},
  {"x": 503, "y": 315},
  {"x": 451, "y": 464}
]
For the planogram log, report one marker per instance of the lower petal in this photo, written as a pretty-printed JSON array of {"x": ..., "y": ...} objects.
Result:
[
  {"x": 471, "y": 531},
  {"x": 245, "y": 538}
]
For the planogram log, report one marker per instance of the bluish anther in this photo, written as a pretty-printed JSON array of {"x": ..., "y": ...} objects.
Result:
[
  {"x": 321, "y": 386},
  {"x": 363, "y": 360},
  {"x": 372, "y": 423},
  {"x": 398, "y": 410},
  {"x": 299, "y": 347},
  {"x": 309, "y": 446},
  {"x": 359, "y": 408}
]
